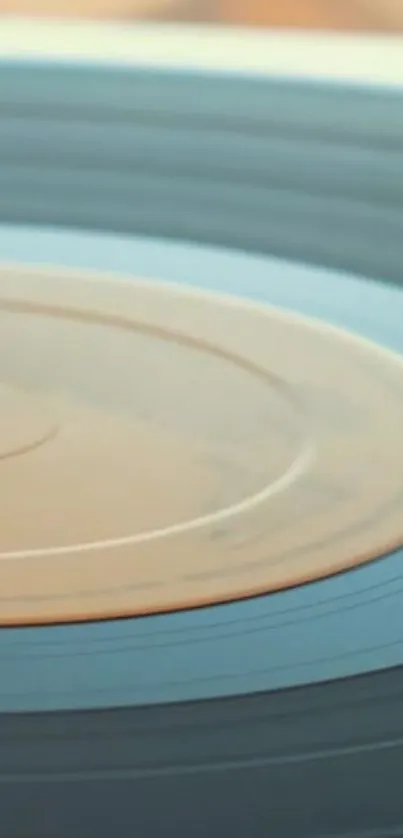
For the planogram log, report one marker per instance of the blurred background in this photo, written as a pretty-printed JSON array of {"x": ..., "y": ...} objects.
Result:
[{"x": 338, "y": 15}]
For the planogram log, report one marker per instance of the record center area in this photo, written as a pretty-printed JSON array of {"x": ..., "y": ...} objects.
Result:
[{"x": 193, "y": 449}]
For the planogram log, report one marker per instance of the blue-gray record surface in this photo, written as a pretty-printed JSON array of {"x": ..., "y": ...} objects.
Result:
[{"x": 277, "y": 189}]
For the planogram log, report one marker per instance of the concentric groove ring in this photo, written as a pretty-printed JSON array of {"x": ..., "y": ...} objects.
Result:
[{"x": 10, "y": 304}]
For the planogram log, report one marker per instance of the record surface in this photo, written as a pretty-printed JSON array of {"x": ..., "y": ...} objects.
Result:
[{"x": 303, "y": 745}]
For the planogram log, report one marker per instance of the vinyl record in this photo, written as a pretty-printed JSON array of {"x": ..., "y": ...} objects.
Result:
[{"x": 200, "y": 303}]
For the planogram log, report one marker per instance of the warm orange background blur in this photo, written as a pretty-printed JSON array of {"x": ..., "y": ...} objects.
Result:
[
  {"x": 365, "y": 15},
  {"x": 317, "y": 14}
]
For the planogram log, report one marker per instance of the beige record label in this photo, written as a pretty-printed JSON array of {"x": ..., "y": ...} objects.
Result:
[{"x": 163, "y": 449}]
